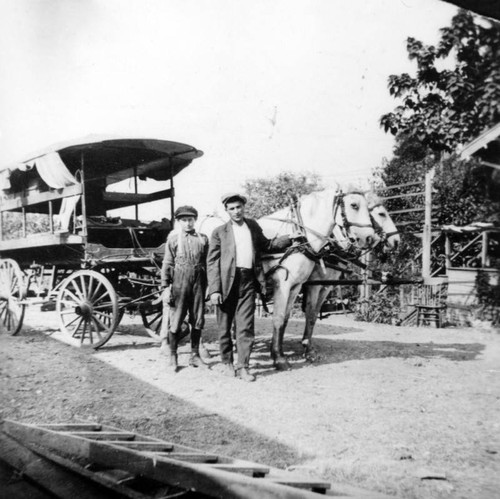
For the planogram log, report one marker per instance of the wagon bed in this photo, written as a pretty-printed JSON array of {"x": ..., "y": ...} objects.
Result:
[{"x": 71, "y": 235}]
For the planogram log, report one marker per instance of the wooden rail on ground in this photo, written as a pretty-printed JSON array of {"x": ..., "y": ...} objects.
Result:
[{"x": 94, "y": 461}]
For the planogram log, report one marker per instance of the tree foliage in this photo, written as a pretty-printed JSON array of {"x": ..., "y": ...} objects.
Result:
[
  {"x": 465, "y": 192},
  {"x": 269, "y": 194},
  {"x": 442, "y": 107},
  {"x": 12, "y": 224},
  {"x": 454, "y": 95}
]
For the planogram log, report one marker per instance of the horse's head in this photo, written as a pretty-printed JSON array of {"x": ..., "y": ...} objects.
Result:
[
  {"x": 386, "y": 230},
  {"x": 352, "y": 220}
]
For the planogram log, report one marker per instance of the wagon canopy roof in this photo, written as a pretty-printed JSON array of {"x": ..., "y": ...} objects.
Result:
[{"x": 120, "y": 158}]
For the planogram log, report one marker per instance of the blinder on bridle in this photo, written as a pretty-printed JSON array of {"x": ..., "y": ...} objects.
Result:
[
  {"x": 378, "y": 228},
  {"x": 346, "y": 223}
]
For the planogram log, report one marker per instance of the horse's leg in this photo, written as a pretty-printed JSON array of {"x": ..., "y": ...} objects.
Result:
[
  {"x": 312, "y": 311},
  {"x": 295, "y": 290},
  {"x": 280, "y": 300},
  {"x": 280, "y": 322},
  {"x": 312, "y": 299},
  {"x": 286, "y": 284}
]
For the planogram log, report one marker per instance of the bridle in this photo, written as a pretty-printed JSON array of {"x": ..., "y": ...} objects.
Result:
[
  {"x": 340, "y": 237},
  {"x": 384, "y": 236},
  {"x": 346, "y": 223}
]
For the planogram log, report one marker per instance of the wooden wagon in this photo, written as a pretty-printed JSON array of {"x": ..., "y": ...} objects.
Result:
[{"x": 65, "y": 243}]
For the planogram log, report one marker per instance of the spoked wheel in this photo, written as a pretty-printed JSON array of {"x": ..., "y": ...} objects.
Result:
[
  {"x": 87, "y": 305},
  {"x": 12, "y": 291},
  {"x": 152, "y": 316}
]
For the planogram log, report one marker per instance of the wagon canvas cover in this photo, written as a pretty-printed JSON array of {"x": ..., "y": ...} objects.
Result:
[{"x": 114, "y": 158}]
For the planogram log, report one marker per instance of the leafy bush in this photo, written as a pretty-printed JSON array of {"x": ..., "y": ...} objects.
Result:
[
  {"x": 269, "y": 194},
  {"x": 12, "y": 224},
  {"x": 383, "y": 308}
]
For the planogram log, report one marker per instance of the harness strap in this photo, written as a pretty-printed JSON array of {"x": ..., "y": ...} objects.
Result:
[
  {"x": 331, "y": 244},
  {"x": 303, "y": 227},
  {"x": 393, "y": 233},
  {"x": 345, "y": 220}
]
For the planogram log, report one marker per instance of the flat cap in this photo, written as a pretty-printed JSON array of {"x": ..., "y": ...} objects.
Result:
[
  {"x": 233, "y": 196},
  {"x": 185, "y": 211}
]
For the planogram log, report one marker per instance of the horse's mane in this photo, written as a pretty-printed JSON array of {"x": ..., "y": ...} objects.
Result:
[{"x": 310, "y": 205}]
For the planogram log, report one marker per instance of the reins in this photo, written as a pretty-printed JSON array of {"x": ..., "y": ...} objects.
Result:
[{"x": 384, "y": 236}]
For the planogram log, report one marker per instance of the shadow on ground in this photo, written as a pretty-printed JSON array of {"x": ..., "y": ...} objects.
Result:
[
  {"x": 43, "y": 380},
  {"x": 332, "y": 350},
  {"x": 335, "y": 351}
]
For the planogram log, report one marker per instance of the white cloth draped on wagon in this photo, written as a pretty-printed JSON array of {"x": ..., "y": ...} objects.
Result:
[{"x": 55, "y": 174}]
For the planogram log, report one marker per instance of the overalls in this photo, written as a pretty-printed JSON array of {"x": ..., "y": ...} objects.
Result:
[{"x": 189, "y": 282}]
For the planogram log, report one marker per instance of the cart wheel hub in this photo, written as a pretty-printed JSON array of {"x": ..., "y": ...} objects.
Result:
[{"x": 85, "y": 310}]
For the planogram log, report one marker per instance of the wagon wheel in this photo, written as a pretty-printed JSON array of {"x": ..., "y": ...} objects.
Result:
[
  {"x": 12, "y": 291},
  {"x": 152, "y": 314},
  {"x": 87, "y": 305},
  {"x": 152, "y": 318}
]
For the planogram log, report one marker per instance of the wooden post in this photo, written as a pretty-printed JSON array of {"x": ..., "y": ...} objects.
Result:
[
  {"x": 172, "y": 206},
  {"x": 368, "y": 287},
  {"x": 447, "y": 253},
  {"x": 84, "y": 201},
  {"x": 135, "y": 191},
  {"x": 427, "y": 231},
  {"x": 23, "y": 211},
  {"x": 1, "y": 225},
  {"x": 484, "y": 249},
  {"x": 51, "y": 217}
]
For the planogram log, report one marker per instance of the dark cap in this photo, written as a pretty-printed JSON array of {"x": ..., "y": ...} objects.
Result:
[
  {"x": 185, "y": 211},
  {"x": 233, "y": 196}
]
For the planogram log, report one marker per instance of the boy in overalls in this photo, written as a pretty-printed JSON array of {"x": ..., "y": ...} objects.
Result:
[{"x": 184, "y": 270}]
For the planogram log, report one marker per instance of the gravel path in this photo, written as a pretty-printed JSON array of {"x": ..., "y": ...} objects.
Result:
[{"x": 407, "y": 411}]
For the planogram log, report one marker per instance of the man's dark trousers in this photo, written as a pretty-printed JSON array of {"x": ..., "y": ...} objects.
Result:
[{"x": 240, "y": 307}]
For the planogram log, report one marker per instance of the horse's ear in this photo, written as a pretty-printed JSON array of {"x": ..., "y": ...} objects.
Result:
[
  {"x": 372, "y": 199},
  {"x": 352, "y": 188}
]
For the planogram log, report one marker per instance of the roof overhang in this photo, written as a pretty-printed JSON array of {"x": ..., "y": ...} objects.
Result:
[
  {"x": 486, "y": 148},
  {"x": 488, "y": 8}
]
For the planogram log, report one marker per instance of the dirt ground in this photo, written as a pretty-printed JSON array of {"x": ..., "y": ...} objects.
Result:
[{"x": 413, "y": 412}]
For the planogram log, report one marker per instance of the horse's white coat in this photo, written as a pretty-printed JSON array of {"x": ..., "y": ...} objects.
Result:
[
  {"x": 319, "y": 217},
  {"x": 316, "y": 295},
  {"x": 320, "y": 214}
]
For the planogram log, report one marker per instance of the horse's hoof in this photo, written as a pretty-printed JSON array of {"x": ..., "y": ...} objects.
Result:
[
  {"x": 282, "y": 365},
  {"x": 311, "y": 356}
]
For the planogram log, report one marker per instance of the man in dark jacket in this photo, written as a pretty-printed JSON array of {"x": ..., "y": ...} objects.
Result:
[{"x": 234, "y": 274}]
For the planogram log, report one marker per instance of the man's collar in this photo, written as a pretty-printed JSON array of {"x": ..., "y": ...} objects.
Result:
[{"x": 239, "y": 225}]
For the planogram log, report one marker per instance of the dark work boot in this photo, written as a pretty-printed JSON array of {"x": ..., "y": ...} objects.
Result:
[
  {"x": 196, "y": 360},
  {"x": 172, "y": 359}
]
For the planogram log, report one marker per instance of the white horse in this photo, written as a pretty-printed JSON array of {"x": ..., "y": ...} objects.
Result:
[
  {"x": 207, "y": 224},
  {"x": 386, "y": 234},
  {"x": 317, "y": 216}
]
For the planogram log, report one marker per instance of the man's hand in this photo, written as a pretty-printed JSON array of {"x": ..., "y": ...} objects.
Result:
[{"x": 216, "y": 298}]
